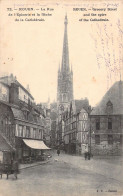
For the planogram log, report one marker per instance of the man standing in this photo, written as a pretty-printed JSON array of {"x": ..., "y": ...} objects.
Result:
[{"x": 58, "y": 151}]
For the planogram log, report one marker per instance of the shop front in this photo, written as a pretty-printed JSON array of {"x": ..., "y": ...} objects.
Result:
[{"x": 30, "y": 150}]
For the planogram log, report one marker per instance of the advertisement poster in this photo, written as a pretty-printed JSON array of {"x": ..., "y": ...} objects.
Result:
[{"x": 61, "y": 97}]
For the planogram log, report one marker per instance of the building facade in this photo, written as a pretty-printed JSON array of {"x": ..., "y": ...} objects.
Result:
[
  {"x": 107, "y": 123},
  {"x": 73, "y": 127},
  {"x": 22, "y": 123}
]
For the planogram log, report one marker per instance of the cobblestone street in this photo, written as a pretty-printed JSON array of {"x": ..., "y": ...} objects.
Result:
[{"x": 65, "y": 175}]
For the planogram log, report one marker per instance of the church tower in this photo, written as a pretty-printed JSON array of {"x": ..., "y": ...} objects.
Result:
[{"x": 65, "y": 76}]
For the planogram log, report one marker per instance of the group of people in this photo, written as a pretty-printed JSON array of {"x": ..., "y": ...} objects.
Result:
[{"x": 88, "y": 155}]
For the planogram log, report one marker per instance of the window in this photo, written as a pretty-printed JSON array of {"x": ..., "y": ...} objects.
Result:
[
  {"x": 109, "y": 123},
  {"x": 34, "y": 133},
  {"x": 109, "y": 107},
  {"x": 20, "y": 131},
  {"x": 97, "y": 139},
  {"x": 40, "y": 134},
  {"x": 97, "y": 124},
  {"x": 110, "y": 139},
  {"x": 27, "y": 132}
]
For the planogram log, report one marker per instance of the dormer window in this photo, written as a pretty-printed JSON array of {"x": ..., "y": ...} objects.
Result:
[{"x": 109, "y": 107}]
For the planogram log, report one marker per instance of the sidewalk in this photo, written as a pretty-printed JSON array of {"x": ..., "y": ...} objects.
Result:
[
  {"x": 111, "y": 169},
  {"x": 24, "y": 166}
]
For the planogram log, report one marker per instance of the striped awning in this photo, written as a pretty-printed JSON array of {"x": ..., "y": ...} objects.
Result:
[{"x": 35, "y": 144}]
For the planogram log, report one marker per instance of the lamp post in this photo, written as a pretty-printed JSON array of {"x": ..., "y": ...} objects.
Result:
[{"x": 90, "y": 133}]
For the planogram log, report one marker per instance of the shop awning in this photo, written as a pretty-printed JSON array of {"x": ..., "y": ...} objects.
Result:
[{"x": 35, "y": 144}]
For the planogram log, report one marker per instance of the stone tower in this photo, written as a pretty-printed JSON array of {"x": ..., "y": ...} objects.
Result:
[{"x": 65, "y": 76}]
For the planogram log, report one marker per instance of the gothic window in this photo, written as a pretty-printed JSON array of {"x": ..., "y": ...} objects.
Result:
[
  {"x": 109, "y": 107},
  {"x": 109, "y": 123},
  {"x": 61, "y": 107},
  {"x": 97, "y": 124}
]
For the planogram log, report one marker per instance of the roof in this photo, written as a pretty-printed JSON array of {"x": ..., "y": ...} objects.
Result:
[
  {"x": 5, "y": 84},
  {"x": 18, "y": 113},
  {"x": 24, "y": 89},
  {"x": 83, "y": 103},
  {"x": 8, "y": 83},
  {"x": 115, "y": 96}
]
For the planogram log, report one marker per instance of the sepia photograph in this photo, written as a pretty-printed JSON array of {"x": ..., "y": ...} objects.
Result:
[{"x": 61, "y": 98}]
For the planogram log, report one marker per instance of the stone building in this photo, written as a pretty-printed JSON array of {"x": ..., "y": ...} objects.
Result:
[
  {"x": 47, "y": 134},
  {"x": 22, "y": 123},
  {"x": 73, "y": 127},
  {"x": 53, "y": 117},
  {"x": 107, "y": 123},
  {"x": 65, "y": 77}
]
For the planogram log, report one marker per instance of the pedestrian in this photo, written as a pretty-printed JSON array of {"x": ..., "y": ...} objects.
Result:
[
  {"x": 89, "y": 155},
  {"x": 15, "y": 168},
  {"x": 85, "y": 155},
  {"x": 58, "y": 151}
]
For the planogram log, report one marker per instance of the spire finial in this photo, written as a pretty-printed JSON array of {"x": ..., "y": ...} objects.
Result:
[
  {"x": 71, "y": 68},
  {"x": 59, "y": 68},
  {"x": 66, "y": 20}
]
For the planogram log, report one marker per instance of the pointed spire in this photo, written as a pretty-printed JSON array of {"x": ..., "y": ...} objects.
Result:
[
  {"x": 59, "y": 70},
  {"x": 65, "y": 54},
  {"x": 66, "y": 20},
  {"x": 120, "y": 75},
  {"x": 48, "y": 102},
  {"x": 71, "y": 68}
]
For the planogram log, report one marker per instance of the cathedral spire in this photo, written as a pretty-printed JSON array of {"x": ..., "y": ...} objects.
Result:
[
  {"x": 71, "y": 69},
  {"x": 65, "y": 53},
  {"x": 65, "y": 76},
  {"x": 59, "y": 68}
]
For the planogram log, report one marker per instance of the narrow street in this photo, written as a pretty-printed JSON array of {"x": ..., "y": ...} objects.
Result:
[{"x": 61, "y": 176}]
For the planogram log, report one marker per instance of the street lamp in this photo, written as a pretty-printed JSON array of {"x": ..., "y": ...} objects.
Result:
[{"x": 90, "y": 134}]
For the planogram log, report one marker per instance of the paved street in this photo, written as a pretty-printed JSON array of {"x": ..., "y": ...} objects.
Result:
[{"x": 63, "y": 176}]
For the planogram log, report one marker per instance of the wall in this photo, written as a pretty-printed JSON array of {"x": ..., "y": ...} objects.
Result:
[
  {"x": 104, "y": 148},
  {"x": 7, "y": 126},
  {"x": 4, "y": 93},
  {"x": 24, "y": 96}
]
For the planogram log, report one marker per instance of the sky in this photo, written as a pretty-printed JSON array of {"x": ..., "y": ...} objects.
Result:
[{"x": 32, "y": 50}]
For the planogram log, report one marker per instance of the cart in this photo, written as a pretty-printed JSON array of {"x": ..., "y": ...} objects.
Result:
[{"x": 8, "y": 166}]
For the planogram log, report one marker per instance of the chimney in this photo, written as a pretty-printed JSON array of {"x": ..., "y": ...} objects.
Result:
[{"x": 14, "y": 94}]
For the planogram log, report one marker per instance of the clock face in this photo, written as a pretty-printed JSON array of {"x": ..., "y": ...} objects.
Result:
[{"x": 61, "y": 107}]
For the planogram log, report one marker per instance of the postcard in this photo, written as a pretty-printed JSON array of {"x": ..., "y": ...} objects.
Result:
[{"x": 61, "y": 97}]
